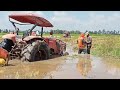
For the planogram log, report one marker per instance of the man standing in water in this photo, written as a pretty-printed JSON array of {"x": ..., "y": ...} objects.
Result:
[
  {"x": 88, "y": 41},
  {"x": 81, "y": 43}
]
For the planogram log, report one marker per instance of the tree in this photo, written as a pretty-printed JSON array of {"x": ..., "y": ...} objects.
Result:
[
  {"x": 103, "y": 32},
  {"x": 118, "y": 32},
  {"x": 99, "y": 32},
  {"x": 95, "y": 32}
]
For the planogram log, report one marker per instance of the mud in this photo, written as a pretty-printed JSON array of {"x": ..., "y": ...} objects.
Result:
[
  {"x": 72, "y": 66},
  {"x": 85, "y": 67},
  {"x": 29, "y": 70}
]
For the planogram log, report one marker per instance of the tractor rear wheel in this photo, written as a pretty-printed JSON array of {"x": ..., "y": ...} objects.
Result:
[{"x": 36, "y": 51}]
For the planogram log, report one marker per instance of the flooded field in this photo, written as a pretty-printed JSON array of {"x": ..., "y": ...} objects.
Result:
[
  {"x": 72, "y": 66},
  {"x": 86, "y": 67},
  {"x": 103, "y": 29}
]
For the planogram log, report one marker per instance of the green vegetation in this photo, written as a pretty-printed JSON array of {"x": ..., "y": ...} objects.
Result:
[
  {"x": 106, "y": 46},
  {"x": 103, "y": 44},
  {"x": 1, "y": 34}
]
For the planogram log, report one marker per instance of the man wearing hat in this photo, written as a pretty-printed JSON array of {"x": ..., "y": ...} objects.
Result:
[{"x": 88, "y": 41}]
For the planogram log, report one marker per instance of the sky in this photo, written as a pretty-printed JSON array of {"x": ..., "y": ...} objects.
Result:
[{"x": 70, "y": 20}]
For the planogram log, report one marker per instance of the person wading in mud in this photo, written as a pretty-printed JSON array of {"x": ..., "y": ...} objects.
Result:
[
  {"x": 88, "y": 41},
  {"x": 81, "y": 43}
]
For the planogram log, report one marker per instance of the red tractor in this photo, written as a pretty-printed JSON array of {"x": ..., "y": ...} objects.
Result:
[{"x": 31, "y": 47}]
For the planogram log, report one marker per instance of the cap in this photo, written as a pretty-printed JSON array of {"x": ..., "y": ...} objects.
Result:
[{"x": 86, "y": 33}]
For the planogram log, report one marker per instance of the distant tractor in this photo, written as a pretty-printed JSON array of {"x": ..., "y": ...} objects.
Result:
[
  {"x": 66, "y": 34},
  {"x": 31, "y": 47}
]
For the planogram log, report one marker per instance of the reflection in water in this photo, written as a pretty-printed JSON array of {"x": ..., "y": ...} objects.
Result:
[
  {"x": 112, "y": 66},
  {"x": 84, "y": 65}
]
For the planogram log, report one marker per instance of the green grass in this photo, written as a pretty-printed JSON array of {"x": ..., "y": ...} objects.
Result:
[
  {"x": 103, "y": 45},
  {"x": 1, "y": 34},
  {"x": 107, "y": 46}
]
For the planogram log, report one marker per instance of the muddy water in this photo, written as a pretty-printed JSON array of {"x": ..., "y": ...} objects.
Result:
[
  {"x": 86, "y": 67},
  {"x": 73, "y": 66},
  {"x": 28, "y": 70}
]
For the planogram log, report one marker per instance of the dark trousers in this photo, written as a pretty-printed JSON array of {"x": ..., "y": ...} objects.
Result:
[
  {"x": 81, "y": 50},
  {"x": 88, "y": 49}
]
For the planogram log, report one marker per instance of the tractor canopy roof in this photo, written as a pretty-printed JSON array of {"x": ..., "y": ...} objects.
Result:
[{"x": 32, "y": 19}]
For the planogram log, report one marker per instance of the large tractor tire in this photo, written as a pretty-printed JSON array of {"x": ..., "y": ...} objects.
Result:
[{"x": 35, "y": 52}]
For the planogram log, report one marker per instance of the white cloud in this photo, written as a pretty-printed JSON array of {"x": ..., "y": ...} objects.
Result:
[
  {"x": 28, "y": 12},
  {"x": 96, "y": 21},
  {"x": 60, "y": 13},
  {"x": 101, "y": 21},
  {"x": 63, "y": 20},
  {"x": 67, "y": 21}
]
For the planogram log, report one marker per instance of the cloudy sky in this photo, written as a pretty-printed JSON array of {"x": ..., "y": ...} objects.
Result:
[{"x": 71, "y": 20}]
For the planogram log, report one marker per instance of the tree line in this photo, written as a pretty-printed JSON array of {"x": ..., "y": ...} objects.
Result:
[
  {"x": 91, "y": 32},
  {"x": 58, "y": 31}
]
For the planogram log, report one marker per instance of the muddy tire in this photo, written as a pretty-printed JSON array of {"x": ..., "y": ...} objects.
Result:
[{"x": 36, "y": 51}]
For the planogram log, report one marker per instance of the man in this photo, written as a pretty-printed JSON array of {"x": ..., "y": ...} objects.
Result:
[
  {"x": 51, "y": 33},
  {"x": 89, "y": 42},
  {"x": 37, "y": 33},
  {"x": 81, "y": 43}
]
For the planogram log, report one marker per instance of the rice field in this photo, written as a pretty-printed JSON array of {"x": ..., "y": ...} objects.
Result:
[{"x": 103, "y": 46}]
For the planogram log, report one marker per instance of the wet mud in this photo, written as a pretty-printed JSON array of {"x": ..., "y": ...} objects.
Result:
[{"x": 72, "y": 66}]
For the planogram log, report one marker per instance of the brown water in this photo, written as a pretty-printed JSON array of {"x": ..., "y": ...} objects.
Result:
[
  {"x": 86, "y": 67},
  {"x": 73, "y": 66},
  {"x": 82, "y": 67}
]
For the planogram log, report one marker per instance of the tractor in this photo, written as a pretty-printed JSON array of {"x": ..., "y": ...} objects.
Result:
[
  {"x": 31, "y": 47},
  {"x": 66, "y": 34}
]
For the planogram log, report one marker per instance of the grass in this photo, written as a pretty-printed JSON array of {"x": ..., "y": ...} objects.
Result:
[
  {"x": 1, "y": 34},
  {"x": 107, "y": 46},
  {"x": 103, "y": 45}
]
